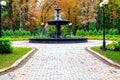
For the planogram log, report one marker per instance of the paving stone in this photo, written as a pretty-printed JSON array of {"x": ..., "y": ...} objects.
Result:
[{"x": 62, "y": 62}]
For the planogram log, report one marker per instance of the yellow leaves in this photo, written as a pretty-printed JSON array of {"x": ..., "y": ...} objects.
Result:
[
  {"x": 114, "y": 14},
  {"x": 70, "y": 8},
  {"x": 112, "y": 71}
]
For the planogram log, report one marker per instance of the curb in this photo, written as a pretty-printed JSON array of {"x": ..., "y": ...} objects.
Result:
[
  {"x": 103, "y": 58},
  {"x": 19, "y": 61}
]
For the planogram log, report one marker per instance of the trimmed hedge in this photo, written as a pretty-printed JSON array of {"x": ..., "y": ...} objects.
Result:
[{"x": 5, "y": 46}]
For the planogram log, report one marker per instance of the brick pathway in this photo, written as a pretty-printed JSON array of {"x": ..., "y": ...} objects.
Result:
[{"x": 63, "y": 62}]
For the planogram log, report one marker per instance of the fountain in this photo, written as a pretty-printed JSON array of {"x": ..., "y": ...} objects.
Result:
[
  {"x": 58, "y": 22},
  {"x": 58, "y": 38}
]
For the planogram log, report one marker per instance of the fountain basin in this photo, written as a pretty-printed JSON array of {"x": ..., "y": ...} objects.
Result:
[{"x": 58, "y": 40}]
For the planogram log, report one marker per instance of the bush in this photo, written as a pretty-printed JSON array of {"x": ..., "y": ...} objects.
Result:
[
  {"x": 93, "y": 32},
  {"x": 100, "y": 32},
  {"x": 18, "y": 32},
  {"x": 7, "y": 33},
  {"x": 21, "y": 33},
  {"x": 80, "y": 33},
  {"x": 111, "y": 46},
  {"x": 113, "y": 32},
  {"x": 65, "y": 31},
  {"x": 115, "y": 46},
  {"x": 5, "y": 46},
  {"x": 110, "y": 32},
  {"x": 50, "y": 31},
  {"x": 35, "y": 32}
]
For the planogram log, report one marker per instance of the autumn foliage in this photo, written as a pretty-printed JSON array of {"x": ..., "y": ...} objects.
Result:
[{"x": 28, "y": 14}]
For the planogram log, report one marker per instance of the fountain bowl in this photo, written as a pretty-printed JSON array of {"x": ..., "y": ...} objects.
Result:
[{"x": 61, "y": 22}]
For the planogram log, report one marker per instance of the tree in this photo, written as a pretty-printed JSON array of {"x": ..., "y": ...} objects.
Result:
[
  {"x": 87, "y": 12},
  {"x": 10, "y": 14}
]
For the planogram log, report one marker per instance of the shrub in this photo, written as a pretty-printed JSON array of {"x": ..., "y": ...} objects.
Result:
[
  {"x": 115, "y": 46},
  {"x": 100, "y": 32},
  {"x": 35, "y": 32},
  {"x": 7, "y": 33},
  {"x": 111, "y": 46},
  {"x": 110, "y": 32},
  {"x": 5, "y": 46},
  {"x": 65, "y": 31},
  {"x": 93, "y": 32},
  {"x": 80, "y": 33},
  {"x": 50, "y": 31},
  {"x": 18, "y": 32},
  {"x": 113, "y": 32}
]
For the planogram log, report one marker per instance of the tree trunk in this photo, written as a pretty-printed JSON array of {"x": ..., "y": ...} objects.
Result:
[
  {"x": 10, "y": 14},
  {"x": 21, "y": 23},
  {"x": 26, "y": 14}
]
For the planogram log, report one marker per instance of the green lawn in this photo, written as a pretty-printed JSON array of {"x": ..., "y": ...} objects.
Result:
[
  {"x": 9, "y": 58},
  {"x": 113, "y": 55}
]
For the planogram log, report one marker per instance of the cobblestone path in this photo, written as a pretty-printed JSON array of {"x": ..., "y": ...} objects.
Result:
[{"x": 63, "y": 62}]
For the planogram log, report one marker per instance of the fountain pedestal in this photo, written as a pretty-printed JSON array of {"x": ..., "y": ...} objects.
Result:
[{"x": 58, "y": 31}]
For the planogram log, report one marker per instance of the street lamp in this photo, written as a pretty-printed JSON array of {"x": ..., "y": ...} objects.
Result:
[
  {"x": 43, "y": 29},
  {"x": 2, "y": 4},
  {"x": 103, "y": 5},
  {"x": 71, "y": 32}
]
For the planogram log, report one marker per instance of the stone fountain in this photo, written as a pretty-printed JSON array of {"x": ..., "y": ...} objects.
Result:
[{"x": 58, "y": 22}]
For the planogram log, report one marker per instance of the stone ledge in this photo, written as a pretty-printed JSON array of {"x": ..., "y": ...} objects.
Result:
[
  {"x": 18, "y": 62},
  {"x": 103, "y": 58}
]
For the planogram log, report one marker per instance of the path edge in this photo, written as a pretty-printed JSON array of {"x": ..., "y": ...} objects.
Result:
[
  {"x": 102, "y": 57},
  {"x": 19, "y": 61}
]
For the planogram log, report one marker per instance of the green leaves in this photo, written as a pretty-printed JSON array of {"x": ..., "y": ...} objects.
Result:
[
  {"x": 16, "y": 33},
  {"x": 115, "y": 46},
  {"x": 5, "y": 46}
]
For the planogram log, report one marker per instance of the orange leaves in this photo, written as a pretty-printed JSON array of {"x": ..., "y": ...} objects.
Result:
[{"x": 70, "y": 9}]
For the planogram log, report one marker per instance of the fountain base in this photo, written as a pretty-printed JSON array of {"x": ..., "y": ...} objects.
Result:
[{"x": 58, "y": 40}]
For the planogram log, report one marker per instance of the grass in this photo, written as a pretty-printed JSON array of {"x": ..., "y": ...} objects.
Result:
[
  {"x": 7, "y": 59},
  {"x": 113, "y": 55}
]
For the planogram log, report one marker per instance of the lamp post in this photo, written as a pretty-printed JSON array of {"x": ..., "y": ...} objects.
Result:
[
  {"x": 71, "y": 32},
  {"x": 43, "y": 29},
  {"x": 2, "y": 4},
  {"x": 103, "y": 5}
]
